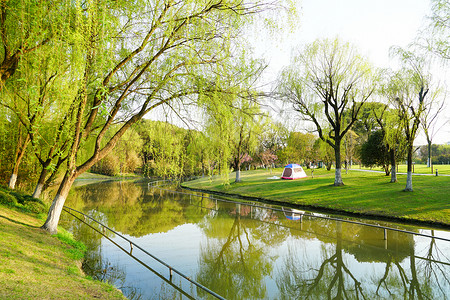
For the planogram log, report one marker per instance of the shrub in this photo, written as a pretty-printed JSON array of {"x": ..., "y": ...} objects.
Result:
[
  {"x": 35, "y": 206},
  {"x": 7, "y": 199},
  {"x": 23, "y": 201},
  {"x": 109, "y": 165}
]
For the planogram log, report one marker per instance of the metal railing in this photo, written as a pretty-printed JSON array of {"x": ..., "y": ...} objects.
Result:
[
  {"x": 132, "y": 244},
  {"x": 158, "y": 183},
  {"x": 384, "y": 228}
]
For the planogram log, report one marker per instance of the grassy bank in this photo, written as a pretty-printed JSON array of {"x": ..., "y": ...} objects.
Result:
[
  {"x": 363, "y": 193},
  {"x": 36, "y": 265}
]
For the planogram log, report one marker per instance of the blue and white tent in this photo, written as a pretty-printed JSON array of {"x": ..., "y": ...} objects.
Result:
[
  {"x": 293, "y": 214},
  {"x": 293, "y": 171}
]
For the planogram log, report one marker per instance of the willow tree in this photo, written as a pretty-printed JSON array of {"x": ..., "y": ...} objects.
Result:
[
  {"x": 410, "y": 92},
  {"x": 39, "y": 96},
  {"x": 233, "y": 118},
  {"x": 328, "y": 84},
  {"x": 233, "y": 124},
  {"x": 25, "y": 25},
  {"x": 139, "y": 57},
  {"x": 436, "y": 34},
  {"x": 429, "y": 122},
  {"x": 388, "y": 121},
  {"x": 30, "y": 31}
]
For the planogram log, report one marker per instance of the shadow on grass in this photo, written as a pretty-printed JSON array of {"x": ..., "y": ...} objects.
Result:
[{"x": 18, "y": 222}]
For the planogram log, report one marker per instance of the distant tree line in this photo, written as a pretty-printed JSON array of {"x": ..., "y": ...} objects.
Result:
[{"x": 441, "y": 154}]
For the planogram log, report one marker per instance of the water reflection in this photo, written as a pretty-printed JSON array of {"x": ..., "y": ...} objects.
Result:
[
  {"x": 245, "y": 252},
  {"x": 235, "y": 258}
]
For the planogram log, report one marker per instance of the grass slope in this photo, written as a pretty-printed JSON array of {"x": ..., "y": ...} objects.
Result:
[
  {"x": 36, "y": 265},
  {"x": 363, "y": 193}
]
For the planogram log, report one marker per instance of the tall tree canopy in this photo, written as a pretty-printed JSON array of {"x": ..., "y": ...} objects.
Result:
[
  {"x": 142, "y": 56},
  {"x": 410, "y": 92},
  {"x": 437, "y": 37},
  {"x": 328, "y": 83},
  {"x": 25, "y": 26}
]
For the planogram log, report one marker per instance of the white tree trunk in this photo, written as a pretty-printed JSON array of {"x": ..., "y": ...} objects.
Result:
[
  {"x": 338, "y": 177},
  {"x": 12, "y": 181},
  {"x": 393, "y": 174},
  {"x": 51, "y": 224},
  {"x": 238, "y": 176},
  {"x": 38, "y": 190},
  {"x": 408, "y": 187}
]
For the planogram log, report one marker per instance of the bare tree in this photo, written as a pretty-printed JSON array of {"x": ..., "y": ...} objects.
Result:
[{"x": 327, "y": 84}]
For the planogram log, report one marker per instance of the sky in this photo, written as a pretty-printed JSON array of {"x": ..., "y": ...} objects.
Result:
[{"x": 372, "y": 26}]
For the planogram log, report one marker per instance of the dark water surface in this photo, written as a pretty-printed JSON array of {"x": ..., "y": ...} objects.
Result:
[{"x": 245, "y": 252}]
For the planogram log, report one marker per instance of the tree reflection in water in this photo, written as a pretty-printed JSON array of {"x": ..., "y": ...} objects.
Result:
[
  {"x": 244, "y": 252},
  {"x": 338, "y": 274},
  {"x": 332, "y": 279},
  {"x": 235, "y": 260}
]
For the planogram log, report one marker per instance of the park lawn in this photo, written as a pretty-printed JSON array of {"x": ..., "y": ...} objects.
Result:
[
  {"x": 418, "y": 168},
  {"x": 37, "y": 265},
  {"x": 363, "y": 193}
]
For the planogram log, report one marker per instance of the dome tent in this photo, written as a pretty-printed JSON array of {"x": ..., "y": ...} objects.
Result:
[{"x": 293, "y": 171}]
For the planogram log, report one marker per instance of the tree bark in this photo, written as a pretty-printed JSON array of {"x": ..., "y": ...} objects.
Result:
[
  {"x": 338, "y": 174},
  {"x": 393, "y": 166},
  {"x": 237, "y": 164},
  {"x": 409, "y": 187},
  {"x": 18, "y": 159},
  {"x": 429, "y": 161},
  {"x": 54, "y": 213},
  {"x": 238, "y": 175},
  {"x": 40, "y": 184},
  {"x": 386, "y": 169},
  {"x": 13, "y": 179}
]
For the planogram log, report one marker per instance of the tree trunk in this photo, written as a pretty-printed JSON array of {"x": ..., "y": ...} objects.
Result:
[
  {"x": 238, "y": 175},
  {"x": 393, "y": 174},
  {"x": 393, "y": 166},
  {"x": 40, "y": 184},
  {"x": 409, "y": 187},
  {"x": 54, "y": 213},
  {"x": 430, "y": 162},
  {"x": 386, "y": 169},
  {"x": 20, "y": 152},
  {"x": 12, "y": 180},
  {"x": 338, "y": 174}
]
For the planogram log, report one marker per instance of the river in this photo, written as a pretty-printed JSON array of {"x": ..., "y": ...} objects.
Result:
[{"x": 242, "y": 251}]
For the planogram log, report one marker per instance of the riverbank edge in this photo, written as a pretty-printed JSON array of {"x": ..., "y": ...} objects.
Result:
[
  {"x": 321, "y": 209},
  {"x": 114, "y": 292}
]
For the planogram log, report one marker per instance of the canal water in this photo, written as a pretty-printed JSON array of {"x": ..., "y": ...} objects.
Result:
[{"x": 241, "y": 251}]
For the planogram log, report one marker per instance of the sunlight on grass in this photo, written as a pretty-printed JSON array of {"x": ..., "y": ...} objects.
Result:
[
  {"x": 37, "y": 265},
  {"x": 363, "y": 193}
]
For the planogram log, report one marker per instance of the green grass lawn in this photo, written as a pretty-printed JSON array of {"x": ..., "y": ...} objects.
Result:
[
  {"x": 363, "y": 193},
  {"x": 37, "y": 265},
  {"x": 418, "y": 168}
]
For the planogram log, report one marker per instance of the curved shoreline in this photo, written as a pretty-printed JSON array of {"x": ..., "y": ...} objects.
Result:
[{"x": 321, "y": 209}]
